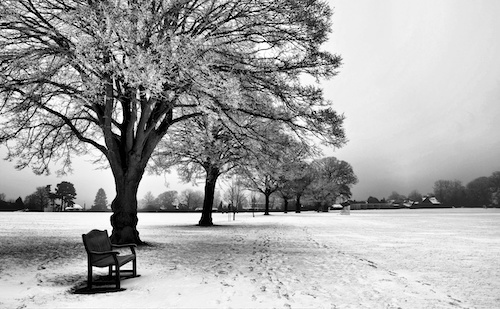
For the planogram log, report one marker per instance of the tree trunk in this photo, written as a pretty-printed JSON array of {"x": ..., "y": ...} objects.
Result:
[
  {"x": 208, "y": 201},
  {"x": 285, "y": 200},
  {"x": 124, "y": 218},
  {"x": 324, "y": 207},
  {"x": 297, "y": 204},
  {"x": 267, "y": 204}
]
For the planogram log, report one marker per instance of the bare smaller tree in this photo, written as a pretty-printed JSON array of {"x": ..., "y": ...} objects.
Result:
[
  {"x": 191, "y": 199},
  {"x": 147, "y": 200},
  {"x": 38, "y": 200},
  {"x": 235, "y": 194},
  {"x": 415, "y": 196}
]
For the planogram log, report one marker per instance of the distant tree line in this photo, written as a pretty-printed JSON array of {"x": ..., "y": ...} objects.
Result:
[
  {"x": 187, "y": 200},
  {"x": 280, "y": 184},
  {"x": 482, "y": 191},
  {"x": 11, "y": 205},
  {"x": 44, "y": 199}
]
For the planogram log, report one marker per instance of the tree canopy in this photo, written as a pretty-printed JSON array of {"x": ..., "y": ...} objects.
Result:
[
  {"x": 38, "y": 200},
  {"x": 450, "y": 192},
  {"x": 168, "y": 200},
  {"x": 333, "y": 179},
  {"x": 66, "y": 192},
  {"x": 115, "y": 76},
  {"x": 274, "y": 156}
]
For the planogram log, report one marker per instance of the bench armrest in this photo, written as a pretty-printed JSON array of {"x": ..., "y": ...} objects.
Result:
[
  {"x": 131, "y": 246},
  {"x": 124, "y": 245},
  {"x": 104, "y": 252}
]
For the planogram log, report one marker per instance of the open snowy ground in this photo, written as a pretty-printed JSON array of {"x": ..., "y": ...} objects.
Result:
[{"x": 447, "y": 258}]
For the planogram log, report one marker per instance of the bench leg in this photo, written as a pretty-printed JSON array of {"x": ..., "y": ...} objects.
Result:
[
  {"x": 89, "y": 276},
  {"x": 117, "y": 276}
]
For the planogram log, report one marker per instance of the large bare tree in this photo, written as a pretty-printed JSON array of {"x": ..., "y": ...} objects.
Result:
[{"x": 111, "y": 77}]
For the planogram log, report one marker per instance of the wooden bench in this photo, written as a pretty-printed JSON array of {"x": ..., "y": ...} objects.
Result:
[{"x": 101, "y": 253}]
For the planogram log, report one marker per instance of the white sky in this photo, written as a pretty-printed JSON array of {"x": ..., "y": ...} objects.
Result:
[{"x": 420, "y": 88}]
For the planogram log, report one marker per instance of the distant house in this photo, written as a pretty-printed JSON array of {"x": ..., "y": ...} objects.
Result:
[
  {"x": 429, "y": 202},
  {"x": 408, "y": 203},
  {"x": 74, "y": 207},
  {"x": 394, "y": 203}
]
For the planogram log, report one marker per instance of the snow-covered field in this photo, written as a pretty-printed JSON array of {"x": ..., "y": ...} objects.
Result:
[{"x": 447, "y": 258}]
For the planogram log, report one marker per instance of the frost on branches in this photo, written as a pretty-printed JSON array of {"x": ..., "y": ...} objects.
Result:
[{"x": 111, "y": 78}]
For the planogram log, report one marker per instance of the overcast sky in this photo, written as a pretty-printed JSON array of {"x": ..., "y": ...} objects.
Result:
[{"x": 419, "y": 87}]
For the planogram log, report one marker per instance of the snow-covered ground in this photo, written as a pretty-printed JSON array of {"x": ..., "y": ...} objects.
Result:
[{"x": 446, "y": 258}]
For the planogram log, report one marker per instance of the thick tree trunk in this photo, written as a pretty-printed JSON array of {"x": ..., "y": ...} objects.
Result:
[
  {"x": 124, "y": 219},
  {"x": 129, "y": 146},
  {"x": 285, "y": 201},
  {"x": 210, "y": 182},
  {"x": 297, "y": 204}
]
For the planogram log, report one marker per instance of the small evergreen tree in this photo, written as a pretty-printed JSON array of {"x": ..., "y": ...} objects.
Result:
[
  {"x": 100, "y": 201},
  {"x": 19, "y": 203}
]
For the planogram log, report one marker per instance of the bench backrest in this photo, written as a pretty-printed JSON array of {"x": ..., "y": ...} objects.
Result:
[{"x": 97, "y": 241}]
